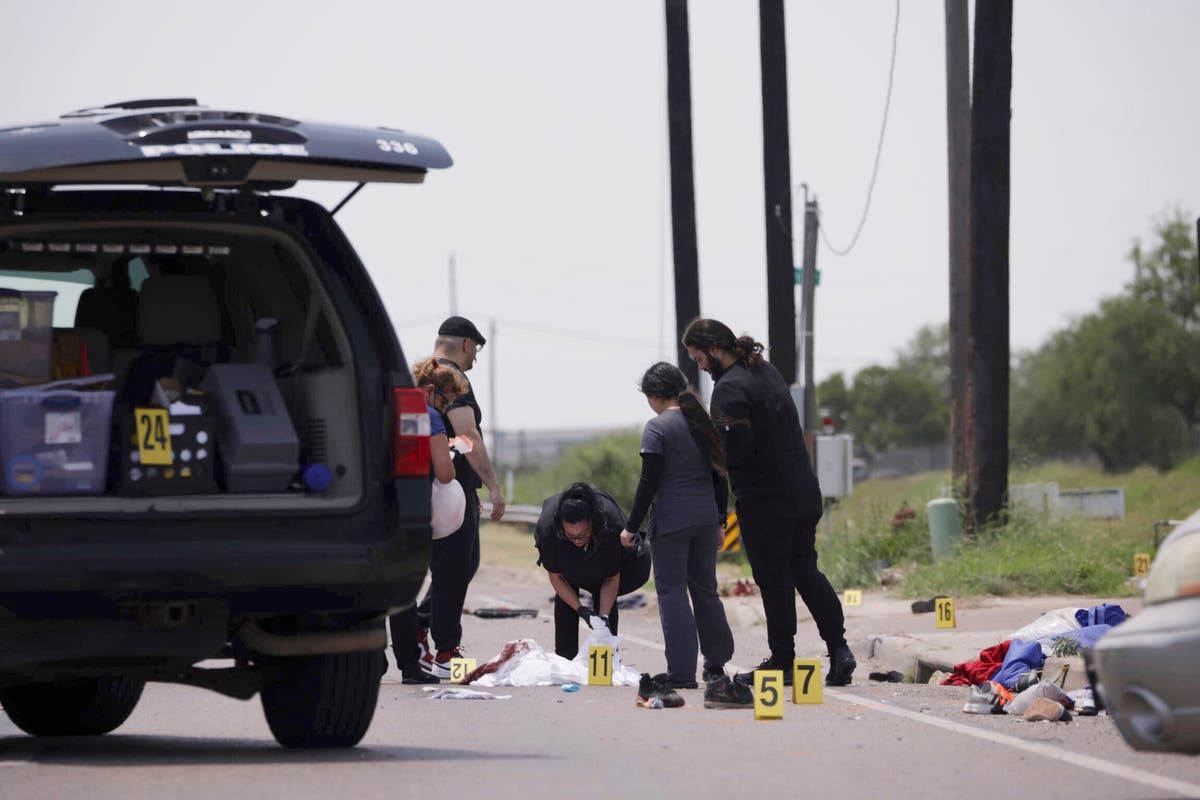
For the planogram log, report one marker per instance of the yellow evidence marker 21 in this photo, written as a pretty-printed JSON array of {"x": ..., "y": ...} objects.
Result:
[
  {"x": 460, "y": 668},
  {"x": 852, "y": 597},
  {"x": 1141, "y": 565},
  {"x": 600, "y": 665},
  {"x": 943, "y": 610},
  {"x": 768, "y": 694},
  {"x": 807, "y": 681}
]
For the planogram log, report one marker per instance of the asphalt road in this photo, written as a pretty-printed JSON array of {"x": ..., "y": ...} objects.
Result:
[{"x": 867, "y": 740}]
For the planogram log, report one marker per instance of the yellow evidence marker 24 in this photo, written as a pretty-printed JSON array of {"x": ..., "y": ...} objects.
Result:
[
  {"x": 807, "y": 682},
  {"x": 460, "y": 668},
  {"x": 153, "y": 436},
  {"x": 943, "y": 610},
  {"x": 852, "y": 597},
  {"x": 600, "y": 665},
  {"x": 768, "y": 694}
]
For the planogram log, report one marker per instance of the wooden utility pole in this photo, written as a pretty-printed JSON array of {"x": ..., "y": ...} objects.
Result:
[
  {"x": 987, "y": 284},
  {"x": 958, "y": 144},
  {"x": 683, "y": 190},
  {"x": 777, "y": 186},
  {"x": 808, "y": 295}
]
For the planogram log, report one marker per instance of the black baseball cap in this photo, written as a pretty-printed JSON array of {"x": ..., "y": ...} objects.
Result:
[{"x": 461, "y": 326}]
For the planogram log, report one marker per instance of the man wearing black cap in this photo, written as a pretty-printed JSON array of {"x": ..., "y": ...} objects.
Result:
[
  {"x": 457, "y": 555},
  {"x": 578, "y": 537}
]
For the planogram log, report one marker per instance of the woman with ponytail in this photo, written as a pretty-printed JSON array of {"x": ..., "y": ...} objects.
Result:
[{"x": 683, "y": 473}]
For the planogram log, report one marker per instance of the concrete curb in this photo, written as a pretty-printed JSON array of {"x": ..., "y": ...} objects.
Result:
[{"x": 918, "y": 657}]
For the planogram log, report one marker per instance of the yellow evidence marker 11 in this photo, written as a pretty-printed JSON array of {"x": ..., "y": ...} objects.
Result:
[
  {"x": 852, "y": 597},
  {"x": 460, "y": 668},
  {"x": 943, "y": 610},
  {"x": 600, "y": 665},
  {"x": 1141, "y": 565},
  {"x": 768, "y": 694},
  {"x": 807, "y": 681}
]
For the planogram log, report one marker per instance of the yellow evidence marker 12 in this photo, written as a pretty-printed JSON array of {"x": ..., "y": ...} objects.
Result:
[
  {"x": 807, "y": 681},
  {"x": 1141, "y": 565},
  {"x": 943, "y": 610},
  {"x": 460, "y": 668},
  {"x": 600, "y": 665},
  {"x": 768, "y": 694},
  {"x": 852, "y": 597}
]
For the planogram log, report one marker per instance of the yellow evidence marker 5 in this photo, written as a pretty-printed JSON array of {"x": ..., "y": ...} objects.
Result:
[{"x": 768, "y": 694}]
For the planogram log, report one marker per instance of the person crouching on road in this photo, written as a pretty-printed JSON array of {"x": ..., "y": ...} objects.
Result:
[
  {"x": 578, "y": 537},
  {"x": 683, "y": 473},
  {"x": 442, "y": 386},
  {"x": 778, "y": 498}
]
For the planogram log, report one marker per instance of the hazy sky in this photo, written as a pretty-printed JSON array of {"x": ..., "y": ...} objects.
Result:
[{"x": 557, "y": 205}]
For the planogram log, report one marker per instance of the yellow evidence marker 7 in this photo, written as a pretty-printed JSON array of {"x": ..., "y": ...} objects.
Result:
[
  {"x": 1141, "y": 565},
  {"x": 943, "y": 610},
  {"x": 460, "y": 668},
  {"x": 807, "y": 681},
  {"x": 852, "y": 597},
  {"x": 600, "y": 665},
  {"x": 768, "y": 694},
  {"x": 153, "y": 436}
]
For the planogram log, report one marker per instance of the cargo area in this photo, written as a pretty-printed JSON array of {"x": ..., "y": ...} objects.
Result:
[{"x": 171, "y": 367}]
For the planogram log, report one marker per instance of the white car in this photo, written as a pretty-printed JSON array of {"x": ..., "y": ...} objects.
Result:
[{"x": 1147, "y": 668}]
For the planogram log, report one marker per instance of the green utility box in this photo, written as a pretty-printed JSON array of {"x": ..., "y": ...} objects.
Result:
[{"x": 944, "y": 529}]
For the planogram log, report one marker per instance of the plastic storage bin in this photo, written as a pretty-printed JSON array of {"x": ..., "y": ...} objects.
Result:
[
  {"x": 54, "y": 441},
  {"x": 257, "y": 446},
  {"x": 26, "y": 336}
]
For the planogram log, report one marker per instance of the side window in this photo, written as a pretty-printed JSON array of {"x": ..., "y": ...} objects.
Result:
[
  {"x": 137, "y": 274},
  {"x": 68, "y": 285}
]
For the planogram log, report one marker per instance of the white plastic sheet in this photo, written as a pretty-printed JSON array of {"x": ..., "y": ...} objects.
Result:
[
  {"x": 530, "y": 665},
  {"x": 1048, "y": 626}
]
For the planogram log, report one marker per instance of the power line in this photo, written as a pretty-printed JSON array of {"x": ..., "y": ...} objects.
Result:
[{"x": 887, "y": 104}]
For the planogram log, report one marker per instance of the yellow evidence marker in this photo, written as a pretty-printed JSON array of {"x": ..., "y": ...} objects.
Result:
[
  {"x": 460, "y": 668},
  {"x": 807, "y": 682},
  {"x": 943, "y": 610},
  {"x": 768, "y": 694},
  {"x": 153, "y": 436},
  {"x": 852, "y": 597},
  {"x": 1141, "y": 565},
  {"x": 600, "y": 665}
]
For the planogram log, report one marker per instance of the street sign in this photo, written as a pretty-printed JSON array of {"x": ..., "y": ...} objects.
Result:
[{"x": 798, "y": 273}]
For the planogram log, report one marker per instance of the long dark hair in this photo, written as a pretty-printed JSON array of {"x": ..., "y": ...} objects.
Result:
[
  {"x": 668, "y": 381},
  {"x": 705, "y": 333},
  {"x": 577, "y": 503}
]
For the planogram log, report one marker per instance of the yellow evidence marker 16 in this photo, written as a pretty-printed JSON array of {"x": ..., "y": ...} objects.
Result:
[
  {"x": 943, "y": 609},
  {"x": 460, "y": 668},
  {"x": 768, "y": 694},
  {"x": 600, "y": 665},
  {"x": 807, "y": 681}
]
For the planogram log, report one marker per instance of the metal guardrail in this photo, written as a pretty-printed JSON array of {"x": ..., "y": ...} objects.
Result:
[{"x": 523, "y": 515}]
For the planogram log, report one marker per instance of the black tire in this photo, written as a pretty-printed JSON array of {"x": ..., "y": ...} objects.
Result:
[
  {"x": 323, "y": 701},
  {"x": 84, "y": 707}
]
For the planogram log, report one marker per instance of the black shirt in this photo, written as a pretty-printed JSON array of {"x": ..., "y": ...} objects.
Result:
[
  {"x": 587, "y": 567},
  {"x": 764, "y": 445},
  {"x": 463, "y": 471}
]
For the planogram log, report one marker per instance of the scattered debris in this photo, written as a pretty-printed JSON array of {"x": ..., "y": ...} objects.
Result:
[
  {"x": 466, "y": 694},
  {"x": 743, "y": 587},
  {"x": 505, "y": 613},
  {"x": 891, "y": 676},
  {"x": 926, "y": 606},
  {"x": 570, "y": 687},
  {"x": 631, "y": 601},
  {"x": 1043, "y": 709}
]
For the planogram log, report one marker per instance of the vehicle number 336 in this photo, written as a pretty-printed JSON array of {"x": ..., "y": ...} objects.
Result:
[{"x": 393, "y": 146}]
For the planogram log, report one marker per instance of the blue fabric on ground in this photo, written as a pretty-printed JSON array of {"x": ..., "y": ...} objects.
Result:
[
  {"x": 1086, "y": 637},
  {"x": 1103, "y": 614},
  {"x": 1022, "y": 656}
]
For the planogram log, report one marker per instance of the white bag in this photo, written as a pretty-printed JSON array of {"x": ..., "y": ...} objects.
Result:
[{"x": 449, "y": 505}]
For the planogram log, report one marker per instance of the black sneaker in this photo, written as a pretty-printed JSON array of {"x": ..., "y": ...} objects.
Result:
[
  {"x": 675, "y": 682},
  {"x": 784, "y": 665},
  {"x": 726, "y": 693},
  {"x": 841, "y": 667},
  {"x": 712, "y": 674},
  {"x": 652, "y": 694},
  {"x": 412, "y": 673}
]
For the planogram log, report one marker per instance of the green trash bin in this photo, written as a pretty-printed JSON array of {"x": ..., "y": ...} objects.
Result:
[{"x": 944, "y": 530}]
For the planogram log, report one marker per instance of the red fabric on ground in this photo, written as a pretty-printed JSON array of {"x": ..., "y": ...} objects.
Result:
[{"x": 972, "y": 673}]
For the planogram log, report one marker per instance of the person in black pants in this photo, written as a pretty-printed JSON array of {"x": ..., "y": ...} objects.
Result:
[
  {"x": 578, "y": 537},
  {"x": 455, "y": 558},
  {"x": 778, "y": 498}
]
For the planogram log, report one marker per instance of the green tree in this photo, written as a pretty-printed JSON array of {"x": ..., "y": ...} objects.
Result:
[
  {"x": 894, "y": 407},
  {"x": 1167, "y": 273},
  {"x": 927, "y": 355},
  {"x": 833, "y": 398}
]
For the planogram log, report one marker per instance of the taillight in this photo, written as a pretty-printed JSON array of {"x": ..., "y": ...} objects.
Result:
[{"x": 410, "y": 442}]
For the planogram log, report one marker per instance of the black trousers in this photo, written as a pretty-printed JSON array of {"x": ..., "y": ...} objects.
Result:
[
  {"x": 780, "y": 543},
  {"x": 685, "y": 563},
  {"x": 453, "y": 564},
  {"x": 634, "y": 574}
]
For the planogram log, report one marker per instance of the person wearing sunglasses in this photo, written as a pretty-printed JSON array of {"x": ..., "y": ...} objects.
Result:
[{"x": 578, "y": 537}]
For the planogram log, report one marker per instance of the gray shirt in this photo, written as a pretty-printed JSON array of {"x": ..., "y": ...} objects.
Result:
[{"x": 685, "y": 491}]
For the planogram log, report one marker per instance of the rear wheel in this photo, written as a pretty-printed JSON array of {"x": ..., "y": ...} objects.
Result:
[
  {"x": 84, "y": 707},
  {"x": 323, "y": 701}
]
